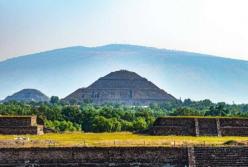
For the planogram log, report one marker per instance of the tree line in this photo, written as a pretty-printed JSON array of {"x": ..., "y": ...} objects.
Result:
[{"x": 87, "y": 117}]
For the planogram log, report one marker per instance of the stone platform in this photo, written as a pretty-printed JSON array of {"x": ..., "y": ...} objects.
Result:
[
  {"x": 126, "y": 156},
  {"x": 17, "y": 125},
  {"x": 200, "y": 126}
]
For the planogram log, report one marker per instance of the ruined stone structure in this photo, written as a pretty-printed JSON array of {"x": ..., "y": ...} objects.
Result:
[
  {"x": 122, "y": 87},
  {"x": 219, "y": 157},
  {"x": 200, "y": 126},
  {"x": 27, "y": 95},
  {"x": 98, "y": 156},
  {"x": 126, "y": 156},
  {"x": 20, "y": 125}
]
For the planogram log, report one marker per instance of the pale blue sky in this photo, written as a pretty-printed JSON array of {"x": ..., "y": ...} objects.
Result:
[{"x": 218, "y": 27}]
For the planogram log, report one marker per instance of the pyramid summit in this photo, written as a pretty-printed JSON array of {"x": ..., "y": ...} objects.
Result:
[
  {"x": 122, "y": 74},
  {"x": 122, "y": 87}
]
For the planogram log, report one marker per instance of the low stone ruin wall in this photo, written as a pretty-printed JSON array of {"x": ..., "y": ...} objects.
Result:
[
  {"x": 126, "y": 156},
  {"x": 6, "y": 121},
  {"x": 200, "y": 126},
  {"x": 174, "y": 126},
  {"x": 220, "y": 157},
  {"x": 207, "y": 127},
  {"x": 234, "y": 127},
  {"x": 171, "y": 130},
  {"x": 98, "y": 156},
  {"x": 18, "y": 125},
  {"x": 19, "y": 130}
]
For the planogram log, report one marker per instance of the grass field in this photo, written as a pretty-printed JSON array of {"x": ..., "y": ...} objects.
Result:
[{"x": 112, "y": 139}]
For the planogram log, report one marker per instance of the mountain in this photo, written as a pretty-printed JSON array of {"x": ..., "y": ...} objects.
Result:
[
  {"x": 27, "y": 95},
  {"x": 123, "y": 87},
  {"x": 183, "y": 74}
]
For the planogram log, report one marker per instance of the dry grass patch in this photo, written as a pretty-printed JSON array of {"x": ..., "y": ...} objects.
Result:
[{"x": 111, "y": 139}]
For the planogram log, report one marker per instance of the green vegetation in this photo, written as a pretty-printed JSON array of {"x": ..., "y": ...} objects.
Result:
[{"x": 114, "y": 118}]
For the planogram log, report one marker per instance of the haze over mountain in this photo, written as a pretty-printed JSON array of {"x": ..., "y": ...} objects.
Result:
[{"x": 183, "y": 74}]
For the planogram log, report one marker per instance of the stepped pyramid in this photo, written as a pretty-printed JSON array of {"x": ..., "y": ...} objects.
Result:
[
  {"x": 27, "y": 95},
  {"x": 122, "y": 87}
]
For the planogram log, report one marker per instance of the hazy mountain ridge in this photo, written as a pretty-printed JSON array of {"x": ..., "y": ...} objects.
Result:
[{"x": 183, "y": 74}]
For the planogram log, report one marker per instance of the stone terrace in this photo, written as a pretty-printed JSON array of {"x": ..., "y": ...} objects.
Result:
[
  {"x": 126, "y": 156},
  {"x": 10, "y": 125},
  {"x": 174, "y": 126},
  {"x": 200, "y": 126},
  {"x": 95, "y": 156},
  {"x": 220, "y": 157}
]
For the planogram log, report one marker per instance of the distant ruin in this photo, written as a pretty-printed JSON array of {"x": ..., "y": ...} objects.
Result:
[
  {"x": 27, "y": 95},
  {"x": 200, "y": 126},
  {"x": 121, "y": 87},
  {"x": 18, "y": 125}
]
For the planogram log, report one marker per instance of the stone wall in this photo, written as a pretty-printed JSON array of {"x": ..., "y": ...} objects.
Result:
[
  {"x": 220, "y": 157},
  {"x": 20, "y": 130},
  {"x": 20, "y": 125},
  {"x": 173, "y": 126},
  {"x": 200, "y": 126},
  {"x": 207, "y": 127},
  {"x": 234, "y": 127},
  {"x": 98, "y": 156},
  {"x": 6, "y": 121},
  {"x": 126, "y": 156}
]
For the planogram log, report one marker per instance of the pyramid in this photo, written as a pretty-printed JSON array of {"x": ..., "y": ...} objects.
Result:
[
  {"x": 27, "y": 95},
  {"x": 121, "y": 87}
]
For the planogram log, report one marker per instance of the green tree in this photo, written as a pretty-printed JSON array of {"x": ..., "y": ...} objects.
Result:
[
  {"x": 185, "y": 111},
  {"x": 126, "y": 125},
  {"x": 101, "y": 124},
  {"x": 54, "y": 100},
  {"x": 220, "y": 109},
  {"x": 139, "y": 124}
]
